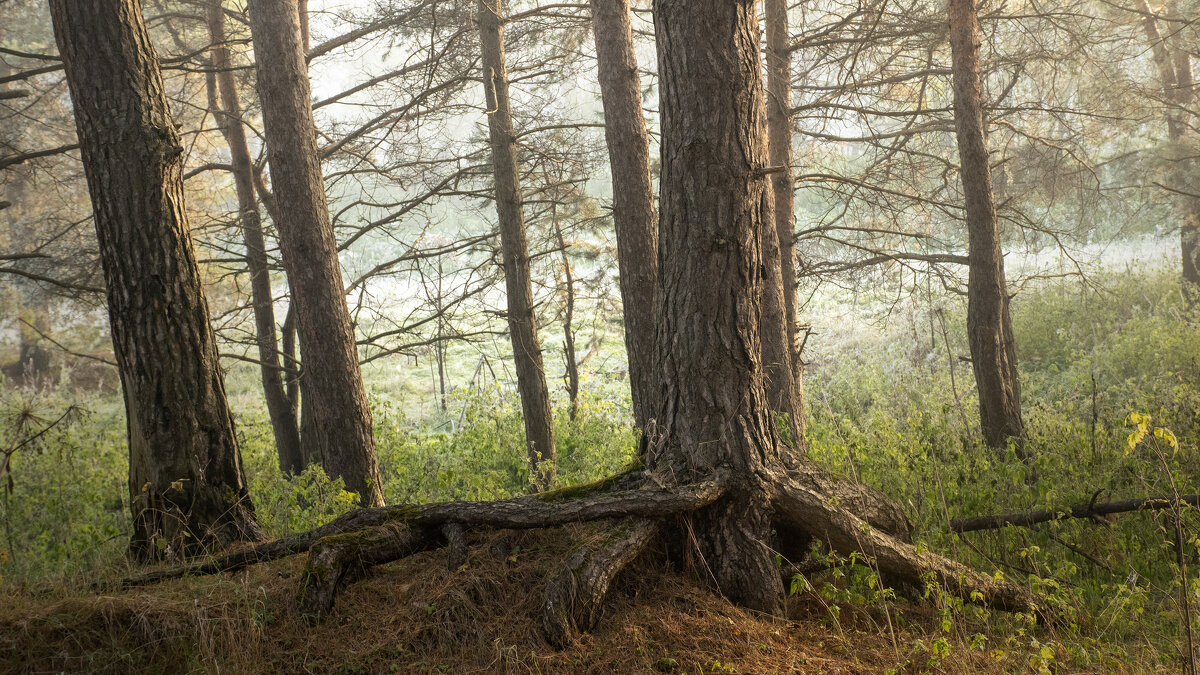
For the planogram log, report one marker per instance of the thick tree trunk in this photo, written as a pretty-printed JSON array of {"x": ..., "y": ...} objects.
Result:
[
  {"x": 989, "y": 326},
  {"x": 715, "y": 200},
  {"x": 228, "y": 111},
  {"x": 522, "y": 322},
  {"x": 186, "y": 483},
  {"x": 633, "y": 196},
  {"x": 336, "y": 424},
  {"x": 779, "y": 135}
]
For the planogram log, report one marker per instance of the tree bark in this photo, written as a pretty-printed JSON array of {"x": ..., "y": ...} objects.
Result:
[
  {"x": 228, "y": 111},
  {"x": 634, "y": 217},
  {"x": 779, "y": 141},
  {"x": 575, "y": 593},
  {"x": 336, "y": 420},
  {"x": 186, "y": 484},
  {"x": 522, "y": 322},
  {"x": 715, "y": 200},
  {"x": 989, "y": 325}
]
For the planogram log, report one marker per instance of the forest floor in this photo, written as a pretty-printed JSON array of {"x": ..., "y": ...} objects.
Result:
[{"x": 418, "y": 616}]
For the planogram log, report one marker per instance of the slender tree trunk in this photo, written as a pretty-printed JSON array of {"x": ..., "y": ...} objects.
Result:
[
  {"x": 989, "y": 326},
  {"x": 228, "y": 111},
  {"x": 778, "y": 373},
  {"x": 715, "y": 202},
  {"x": 186, "y": 483},
  {"x": 522, "y": 323},
  {"x": 569, "y": 358},
  {"x": 336, "y": 424},
  {"x": 633, "y": 196},
  {"x": 779, "y": 134},
  {"x": 1178, "y": 84}
]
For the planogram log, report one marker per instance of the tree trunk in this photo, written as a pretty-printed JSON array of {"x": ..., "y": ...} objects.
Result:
[
  {"x": 715, "y": 200},
  {"x": 336, "y": 424},
  {"x": 522, "y": 323},
  {"x": 186, "y": 483},
  {"x": 779, "y": 135},
  {"x": 571, "y": 377},
  {"x": 1175, "y": 74},
  {"x": 989, "y": 326},
  {"x": 228, "y": 111},
  {"x": 633, "y": 196}
]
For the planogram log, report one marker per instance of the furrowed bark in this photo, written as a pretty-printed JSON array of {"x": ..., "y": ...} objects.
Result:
[
  {"x": 576, "y": 591},
  {"x": 865, "y": 502},
  {"x": 715, "y": 199},
  {"x": 456, "y": 545},
  {"x": 803, "y": 508},
  {"x": 187, "y": 487},
  {"x": 634, "y": 217},
  {"x": 338, "y": 560}
]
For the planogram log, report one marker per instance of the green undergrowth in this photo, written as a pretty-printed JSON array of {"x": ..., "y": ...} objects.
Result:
[{"x": 1111, "y": 389}]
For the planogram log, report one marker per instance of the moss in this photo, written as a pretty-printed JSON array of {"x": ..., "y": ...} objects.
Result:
[{"x": 576, "y": 491}]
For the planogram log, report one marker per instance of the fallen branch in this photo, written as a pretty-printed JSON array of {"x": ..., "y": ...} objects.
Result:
[{"x": 1091, "y": 510}]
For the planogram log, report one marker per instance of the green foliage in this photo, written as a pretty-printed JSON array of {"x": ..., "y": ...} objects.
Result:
[
  {"x": 486, "y": 457},
  {"x": 1111, "y": 386},
  {"x": 891, "y": 414},
  {"x": 65, "y": 501}
]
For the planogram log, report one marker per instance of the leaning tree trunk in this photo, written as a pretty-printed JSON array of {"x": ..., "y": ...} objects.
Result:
[
  {"x": 186, "y": 483},
  {"x": 522, "y": 322},
  {"x": 228, "y": 110},
  {"x": 336, "y": 421},
  {"x": 989, "y": 326},
  {"x": 634, "y": 217},
  {"x": 779, "y": 135}
]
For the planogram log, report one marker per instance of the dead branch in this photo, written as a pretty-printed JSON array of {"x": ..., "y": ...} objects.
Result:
[{"x": 1091, "y": 511}]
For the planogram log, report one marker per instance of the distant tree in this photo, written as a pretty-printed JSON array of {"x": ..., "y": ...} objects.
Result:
[
  {"x": 227, "y": 106},
  {"x": 522, "y": 320},
  {"x": 186, "y": 482},
  {"x": 336, "y": 420},
  {"x": 1174, "y": 64},
  {"x": 989, "y": 325}
]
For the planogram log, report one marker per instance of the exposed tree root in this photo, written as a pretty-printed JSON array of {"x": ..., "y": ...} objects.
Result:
[
  {"x": 806, "y": 503},
  {"x": 576, "y": 591},
  {"x": 799, "y": 506},
  {"x": 624, "y": 495},
  {"x": 862, "y": 500},
  {"x": 456, "y": 545},
  {"x": 343, "y": 558}
]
